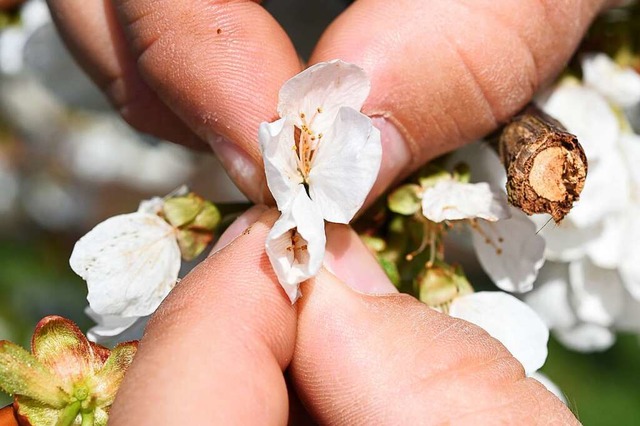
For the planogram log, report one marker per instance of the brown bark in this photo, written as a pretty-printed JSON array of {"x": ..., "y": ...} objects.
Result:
[{"x": 546, "y": 166}]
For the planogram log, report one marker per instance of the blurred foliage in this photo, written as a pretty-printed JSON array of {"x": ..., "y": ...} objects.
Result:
[{"x": 601, "y": 388}]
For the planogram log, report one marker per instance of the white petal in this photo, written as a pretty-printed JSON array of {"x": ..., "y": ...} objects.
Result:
[
  {"x": 564, "y": 241},
  {"x": 630, "y": 148},
  {"x": 550, "y": 297},
  {"x": 551, "y": 387},
  {"x": 597, "y": 294},
  {"x": 586, "y": 114},
  {"x": 277, "y": 144},
  {"x": 509, "y": 251},
  {"x": 621, "y": 85},
  {"x": 630, "y": 264},
  {"x": 586, "y": 337},
  {"x": 151, "y": 206},
  {"x": 606, "y": 250},
  {"x": 453, "y": 200},
  {"x": 629, "y": 319},
  {"x": 130, "y": 263},
  {"x": 346, "y": 166},
  {"x": 108, "y": 326},
  {"x": 510, "y": 321},
  {"x": 291, "y": 269},
  {"x": 327, "y": 85},
  {"x": 606, "y": 190},
  {"x": 484, "y": 163}
]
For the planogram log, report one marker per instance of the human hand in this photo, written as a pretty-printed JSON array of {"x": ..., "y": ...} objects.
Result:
[
  {"x": 227, "y": 347},
  {"x": 443, "y": 73}
]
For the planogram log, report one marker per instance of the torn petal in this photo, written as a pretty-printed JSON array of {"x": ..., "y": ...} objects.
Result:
[
  {"x": 346, "y": 166},
  {"x": 321, "y": 90},
  {"x": 130, "y": 263},
  {"x": 509, "y": 251},
  {"x": 452, "y": 200},
  {"x": 508, "y": 320},
  {"x": 296, "y": 243}
]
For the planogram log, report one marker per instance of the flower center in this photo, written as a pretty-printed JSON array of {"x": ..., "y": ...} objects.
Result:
[
  {"x": 307, "y": 142},
  {"x": 298, "y": 248}
]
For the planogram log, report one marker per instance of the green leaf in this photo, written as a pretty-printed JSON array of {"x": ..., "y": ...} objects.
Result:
[
  {"x": 405, "y": 200},
  {"x": 22, "y": 374}
]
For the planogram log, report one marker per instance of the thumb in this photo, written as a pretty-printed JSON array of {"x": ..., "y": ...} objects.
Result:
[
  {"x": 448, "y": 72},
  {"x": 362, "y": 359}
]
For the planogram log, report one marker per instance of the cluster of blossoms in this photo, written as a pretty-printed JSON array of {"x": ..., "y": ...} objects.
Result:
[{"x": 590, "y": 287}]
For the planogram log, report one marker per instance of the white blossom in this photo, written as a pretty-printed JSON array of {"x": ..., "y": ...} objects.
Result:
[
  {"x": 508, "y": 320},
  {"x": 321, "y": 160},
  {"x": 113, "y": 329},
  {"x": 130, "y": 263},
  {"x": 452, "y": 200},
  {"x": 619, "y": 84},
  {"x": 504, "y": 239}
]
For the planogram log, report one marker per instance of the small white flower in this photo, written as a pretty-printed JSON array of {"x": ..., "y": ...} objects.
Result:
[
  {"x": 321, "y": 160},
  {"x": 621, "y": 85},
  {"x": 452, "y": 200},
  {"x": 130, "y": 263},
  {"x": 508, "y": 320},
  {"x": 504, "y": 239}
]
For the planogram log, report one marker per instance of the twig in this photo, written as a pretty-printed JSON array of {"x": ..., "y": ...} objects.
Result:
[{"x": 546, "y": 166}]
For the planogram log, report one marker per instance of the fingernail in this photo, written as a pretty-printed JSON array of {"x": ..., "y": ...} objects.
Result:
[
  {"x": 350, "y": 260},
  {"x": 395, "y": 156},
  {"x": 238, "y": 226},
  {"x": 240, "y": 167}
]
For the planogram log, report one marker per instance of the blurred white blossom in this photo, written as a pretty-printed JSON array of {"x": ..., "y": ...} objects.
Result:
[{"x": 596, "y": 292}]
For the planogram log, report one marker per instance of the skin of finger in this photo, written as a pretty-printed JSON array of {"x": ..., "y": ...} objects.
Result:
[
  {"x": 448, "y": 72},
  {"x": 215, "y": 350},
  {"x": 391, "y": 360},
  {"x": 9, "y": 4},
  {"x": 91, "y": 32},
  {"x": 219, "y": 64}
]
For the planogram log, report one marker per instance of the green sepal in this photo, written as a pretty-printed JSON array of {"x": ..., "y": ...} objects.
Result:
[
  {"x": 405, "y": 200},
  {"x": 179, "y": 211},
  {"x": 440, "y": 284},
  {"x": 22, "y": 374},
  {"x": 432, "y": 175},
  {"x": 208, "y": 219},
  {"x": 462, "y": 173},
  {"x": 391, "y": 269},
  {"x": 193, "y": 243}
]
